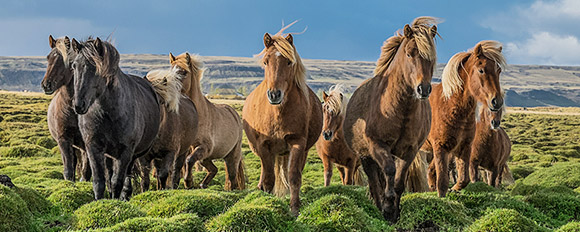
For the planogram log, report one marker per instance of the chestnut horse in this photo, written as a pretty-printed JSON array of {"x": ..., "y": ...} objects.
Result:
[
  {"x": 388, "y": 116},
  {"x": 468, "y": 78},
  {"x": 491, "y": 147},
  {"x": 282, "y": 118},
  {"x": 62, "y": 120},
  {"x": 331, "y": 147},
  {"x": 118, "y": 115},
  {"x": 219, "y": 133},
  {"x": 177, "y": 131}
]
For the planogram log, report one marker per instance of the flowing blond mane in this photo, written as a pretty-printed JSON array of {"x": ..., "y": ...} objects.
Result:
[
  {"x": 289, "y": 52},
  {"x": 422, "y": 34},
  {"x": 450, "y": 79},
  {"x": 107, "y": 64},
  {"x": 335, "y": 101},
  {"x": 64, "y": 48},
  {"x": 194, "y": 67},
  {"x": 167, "y": 84}
]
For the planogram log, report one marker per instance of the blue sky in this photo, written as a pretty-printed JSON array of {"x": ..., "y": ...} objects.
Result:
[{"x": 533, "y": 32}]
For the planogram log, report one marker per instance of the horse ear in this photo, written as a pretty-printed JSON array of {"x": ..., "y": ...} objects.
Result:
[
  {"x": 67, "y": 42},
  {"x": 478, "y": 51},
  {"x": 268, "y": 40},
  {"x": 324, "y": 96},
  {"x": 341, "y": 97},
  {"x": 51, "y": 41},
  {"x": 99, "y": 45},
  {"x": 408, "y": 31},
  {"x": 290, "y": 39},
  {"x": 165, "y": 81},
  {"x": 500, "y": 48},
  {"x": 76, "y": 46},
  {"x": 171, "y": 57},
  {"x": 433, "y": 31},
  {"x": 188, "y": 58}
]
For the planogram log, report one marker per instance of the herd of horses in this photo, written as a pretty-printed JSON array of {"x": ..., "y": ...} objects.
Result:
[{"x": 113, "y": 124}]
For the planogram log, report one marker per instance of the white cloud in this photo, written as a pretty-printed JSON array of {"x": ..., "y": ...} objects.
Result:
[{"x": 544, "y": 32}]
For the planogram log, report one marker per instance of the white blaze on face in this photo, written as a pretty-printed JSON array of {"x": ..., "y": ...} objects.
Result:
[{"x": 278, "y": 54}]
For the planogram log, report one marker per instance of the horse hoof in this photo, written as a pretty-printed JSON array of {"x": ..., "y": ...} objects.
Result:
[{"x": 202, "y": 186}]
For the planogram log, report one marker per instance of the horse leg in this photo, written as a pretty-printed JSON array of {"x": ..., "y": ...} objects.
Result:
[
  {"x": 441, "y": 161},
  {"x": 86, "y": 166},
  {"x": 297, "y": 160},
  {"x": 211, "y": 172},
  {"x": 474, "y": 168},
  {"x": 494, "y": 176},
  {"x": 98, "y": 169},
  {"x": 349, "y": 173},
  {"x": 127, "y": 190},
  {"x": 198, "y": 153},
  {"x": 267, "y": 175},
  {"x": 177, "y": 167},
  {"x": 376, "y": 178},
  {"x": 328, "y": 165},
  {"x": 144, "y": 170},
  {"x": 163, "y": 167},
  {"x": 401, "y": 174},
  {"x": 385, "y": 160},
  {"x": 120, "y": 169},
  {"x": 341, "y": 172},
  {"x": 432, "y": 176},
  {"x": 232, "y": 161},
  {"x": 109, "y": 173},
  {"x": 69, "y": 159},
  {"x": 462, "y": 164}
]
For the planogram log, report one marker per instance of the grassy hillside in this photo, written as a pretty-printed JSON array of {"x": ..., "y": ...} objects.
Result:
[
  {"x": 545, "y": 162},
  {"x": 526, "y": 85}
]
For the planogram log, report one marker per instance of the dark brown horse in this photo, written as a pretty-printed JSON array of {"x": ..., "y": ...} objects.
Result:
[
  {"x": 331, "y": 147},
  {"x": 491, "y": 147},
  {"x": 468, "y": 78},
  {"x": 62, "y": 120},
  {"x": 119, "y": 114},
  {"x": 219, "y": 134},
  {"x": 388, "y": 116},
  {"x": 177, "y": 131},
  {"x": 282, "y": 118}
]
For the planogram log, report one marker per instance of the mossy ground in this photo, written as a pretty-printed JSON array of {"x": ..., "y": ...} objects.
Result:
[{"x": 545, "y": 159}]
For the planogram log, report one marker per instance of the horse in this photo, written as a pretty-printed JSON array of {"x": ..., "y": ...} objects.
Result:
[
  {"x": 331, "y": 147},
  {"x": 119, "y": 115},
  {"x": 491, "y": 147},
  {"x": 388, "y": 116},
  {"x": 469, "y": 77},
  {"x": 62, "y": 120},
  {"x": 282, "y": 118},
  {"x": 219, "y": 133},
  {"x": 177, "y": 131}
]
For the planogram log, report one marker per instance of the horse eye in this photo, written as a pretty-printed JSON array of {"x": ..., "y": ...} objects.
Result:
[
  {"x": 481, "y": 71},
  {"x": 409, "y": 55},
  {"x": 266, "y": 62},
  {"x": 289, "y": 62}
]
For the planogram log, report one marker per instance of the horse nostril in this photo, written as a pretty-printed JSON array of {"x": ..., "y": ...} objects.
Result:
[
  {"x": 428, "y": 89},
  {"x": 420, "y": 89}
]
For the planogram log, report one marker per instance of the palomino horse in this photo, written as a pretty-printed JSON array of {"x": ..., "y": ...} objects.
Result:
[
  {"x": 468, "y": 78},
  {"x": 118, "y": 114},
  {"x": 388, "y": 116},
  {"x": 177, "y": 131},
  {"x": 282, "y": 118},
  {"x": 62, "y": 120},
  {"x": 219, "y": 133},
  {"x": 331, "y": 147},
  {"x": 491, "y": 147}
]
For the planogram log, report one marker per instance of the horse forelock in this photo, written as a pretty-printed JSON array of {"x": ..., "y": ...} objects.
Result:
[
  {"x": 107, "y": 63},
  {"x": 63, "y": 47},
  {"x": 194, "y": 67},
  {"x": 167, "y": 84},
  {"x": 335, "y": 101}
]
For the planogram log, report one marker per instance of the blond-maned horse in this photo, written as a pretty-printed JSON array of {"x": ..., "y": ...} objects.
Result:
[
  {"x": 468, "y": 78},
  {"x": 282, "y": 118},
  {"x": 388, "y": 116},
  {"x": 331, "y": 147},
  {"x": 219, "y": 133}
]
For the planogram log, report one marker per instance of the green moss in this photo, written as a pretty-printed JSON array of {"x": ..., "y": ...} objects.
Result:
[
  {"x": 339, "y": 213},
  {"x": 504, "y": 220},
  {"x": 419, "y": 208},
  {"x": 14, "y": 213},
  {"x": 560, "y": 207},
  {"x": 522, "y": 189},
  {"x": 71, "y": 198},
  {"x": 356, "y": 193},
  {"x": 104, "y": 213},
  {"x": 479, "y": 187},
  {"x": 570, "y": 227},
  {"x": 46, "y": 142},
  {"x": 559, "y": 174},
  {"x": 35, "y": 202},
  {"x": 178, "y": 223},
  {"x": 24, "y": 150}
]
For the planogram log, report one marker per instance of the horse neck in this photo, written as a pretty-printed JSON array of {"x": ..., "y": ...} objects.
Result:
[
  {"x": 397, "y": 92},
  {"x": 66, "y": 91},
  {"x": 195, "y": 93},
  {"x": 464, "y": 98}
]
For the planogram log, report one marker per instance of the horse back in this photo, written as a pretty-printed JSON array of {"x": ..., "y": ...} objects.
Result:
[
  {"x": 315, "y": 123},
  {"x": 147, "y": 111}
]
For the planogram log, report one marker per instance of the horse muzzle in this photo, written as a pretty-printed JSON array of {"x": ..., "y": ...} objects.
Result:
[
  {"x": 423, "y": 91},
  {"x": 275, "y": 97},
  {"x": 80, "y": 107},
  {"x": 48, "y": 88},
  {"x": 327, "y": 135},
  {"x": 495, "y": 124}
]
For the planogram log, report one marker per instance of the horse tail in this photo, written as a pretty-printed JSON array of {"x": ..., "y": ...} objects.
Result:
[
  {"x": 507, "y": 177},
  {"x": 281, "y": 186},
  {"x": 417, "y": 174},
  {"x": 241, "y": 175},
  {"x": 358, "y": 177}
]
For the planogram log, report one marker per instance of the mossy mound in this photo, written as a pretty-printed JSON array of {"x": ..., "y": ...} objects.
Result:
[
  {"x": 178, "y": 223},
  {"x": 558, "y": 174},
  {"x": 46, "y": 142},
  {"x": 356, "y": 193},
  {"x": 104, "y": 213},
  {"x": 258, "y": 211},
  {"x": 71, "y": 198},
  {"x": 35, "y": 202},
  {"x": 24, "y": 150},
  {"x": 339, "y": 213},
  {"x": 560, "y": 207},
  {"x": 570, "y": 227},
  {"x": 524, "y": 190},
  {"x": 204, "y": 203},
  {"x": 418, "y": 209},
  {"x": 14, "y": 213},
  {"x": 504, "y": 220},
  {"x": 479, "y": 187}
]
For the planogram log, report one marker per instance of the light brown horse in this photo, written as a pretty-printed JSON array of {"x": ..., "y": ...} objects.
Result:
[
  {"x": 388, "y": 116},
  {"x": 177, "y": 131},
  {"x": 331, "y": 147},
  {"x": 468, "y": 78},
  {"x": 282, "y": 118},
  {"x": 219, "y": 133},
  {"x": 491, "y": 147}
]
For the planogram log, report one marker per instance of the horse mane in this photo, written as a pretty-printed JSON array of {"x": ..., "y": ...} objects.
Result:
[
  {"x": 106, "y": 61},
  {"x": 450, "y": 79},
  {"x": 334, "y": 101},
  {"x": 421, "y": 27},
  {"x": 167, "y": 84},
  {"x": 64, "y": 48},
  {"x": 289, "y": 52},
  {"x": 195, "y": 67}
]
